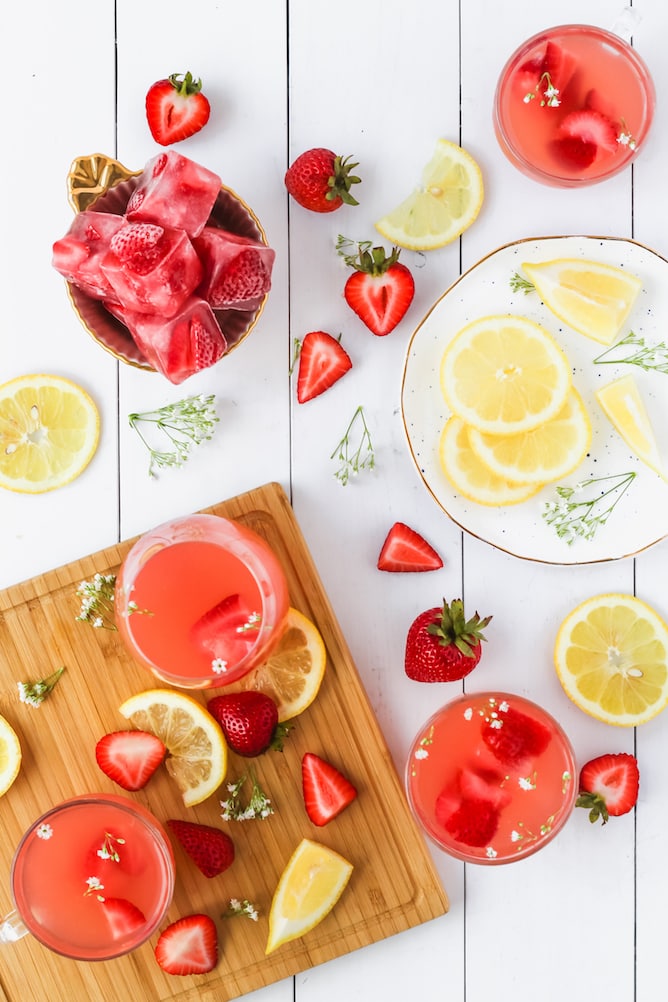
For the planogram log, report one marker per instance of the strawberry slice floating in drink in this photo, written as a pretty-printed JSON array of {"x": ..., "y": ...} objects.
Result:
[{"x": 228, "y": 632}]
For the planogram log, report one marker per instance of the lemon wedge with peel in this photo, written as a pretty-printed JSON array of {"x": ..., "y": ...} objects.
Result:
[
  {"x": 49, "y": 430},
  {"x": 594, "y": 299},
  {"x": 309, "y": 887},
  {"x": 10, "y": 755},
  {"x": 445, "y": 204},
  {"x": 611, "y": 656},
  {"x": 197, "y": 750},
  {"x": 625, "y": 409}
]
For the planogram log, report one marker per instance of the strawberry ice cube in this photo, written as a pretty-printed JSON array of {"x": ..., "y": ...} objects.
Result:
[
  {"x": 181, "y": 345},
  {"x": 175, "y": 192},
  {"x": 237, "y": 270},
  {"x": 78, "y": 255},
  {"x": 151, "y": 269}
]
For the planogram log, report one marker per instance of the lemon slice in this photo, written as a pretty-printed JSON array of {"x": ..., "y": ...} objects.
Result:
[
  {"x": 593, "y": 298},
  {"x": 504, "y": 375},
  {"x": 443, "y": 206},
  {"x": 10, "y": 755},
  {"x": 543, "y": 454},
  {"x": 197, "y": 758},
  {"x": 470, "y": 477},
  {"x": 293, "y": 674},
  {"x": 309, "y": 887},
  {"x": 625, "y": 409},
  {"x": 49, "y": 430},
  {"x": 611, "y": 657}
]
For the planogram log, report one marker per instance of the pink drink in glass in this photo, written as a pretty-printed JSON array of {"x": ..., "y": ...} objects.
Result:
[
  {"x": 200, "y": 601},
  {"x": 491, "y": 777},
  {"x": 573, "y": 105},
  {"x": 93, "y": 877}
]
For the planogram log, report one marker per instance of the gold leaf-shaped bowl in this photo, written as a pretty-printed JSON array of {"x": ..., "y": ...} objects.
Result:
[{"x": 103, "y": 184}]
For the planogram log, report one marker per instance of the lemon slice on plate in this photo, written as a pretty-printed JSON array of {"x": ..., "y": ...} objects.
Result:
[
  {"x": 470, "y": 477},
  {"x": 504, "y": 375},
  {"x": 611, "y": 656},
  {"x": 197, "y": 759},
  {"x": 625, "y": 409},
  {"x": 552, "y": 450},
  {"x": 309, "y": 887},
  {"x": 10, "y": 755},
  {"x": 293, "y": 674},
  {"x": 445, "y": 204},
  {"x": 49, "y": 430},
  {"x": 593, "y": 298}
]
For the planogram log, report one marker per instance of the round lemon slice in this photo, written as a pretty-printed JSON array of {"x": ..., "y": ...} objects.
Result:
[
  {"x": 611, "y": 656},
  {"x": 197, "y": 759},
  {"x": 293, "y": 674},
  {"x": 445, "y": 204},
  {"x": 504, "y": 375},
  {"x": 472, "y": 478},
  {"x": 552, "y": 450},
  {"x": 49, "y": 430},
  {"x": 10, "y": 755},
  {"x": 594, "y": 299},
  {"x": 309, "y": 887},
  {"x": 625, "y": 409}
]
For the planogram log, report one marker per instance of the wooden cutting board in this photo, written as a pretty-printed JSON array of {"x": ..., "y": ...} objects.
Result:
[{"x": 394, "y": 885}]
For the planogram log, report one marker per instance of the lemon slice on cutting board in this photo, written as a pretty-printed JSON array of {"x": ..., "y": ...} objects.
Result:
[
  {"x": 625, "y": 409},
  {"x": 446, "y": 202},
  {"x": 197, "y": 759},
  {"x": 49, "y": 430},
  {"x": 309, "y": 887},
  {"x": 10, "y": 755},
  {"x": 594, "y": 299},
  {"x": 611, "y": 656}
]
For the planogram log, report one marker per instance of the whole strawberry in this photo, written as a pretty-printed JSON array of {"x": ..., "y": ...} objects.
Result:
[
  {"x": 381, "y": 289},
  {"x": 442, "y": 645},
  {"x": 320, "y": 180},
  {"x": 211, "y": 849},
  {"x": 249, "y": 721}
]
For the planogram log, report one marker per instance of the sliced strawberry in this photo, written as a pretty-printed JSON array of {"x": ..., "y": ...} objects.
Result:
[
  {"x": 574, "y": 153},
  {"x": 381, "y": 289},
  {"x": 249, "y": 721},
  {"x": 609, "y": 786},
  {"x": 589, "y": 127},
  {"x": 211, "y": 849},
  {"x": 227, "y": 631},
  {"x": 176, "y": 108},
  {"x": 513, "y": 737},
  {"x": 326, "y": 791},
  {"x": 123, "y": 917},
  {"x": 322, "y": 361},
  {"x": 484, "y": 784},
  {"x": 188, "y": 946},
  {"x": 404, "y": 549},
  {"x": 474, "y": 822},
  {"x": 129, "y": 757}
]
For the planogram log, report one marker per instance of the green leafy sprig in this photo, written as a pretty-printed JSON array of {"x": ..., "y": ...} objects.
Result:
[
  {"x": 179, "y": 427},
  {"x": 646, "y": 356},
  {"x": 354, "y": 459},
  {"x": 34, "y": 693},
  {"x": 583, "y": 508},
  {"x": 518, "y": 283}
]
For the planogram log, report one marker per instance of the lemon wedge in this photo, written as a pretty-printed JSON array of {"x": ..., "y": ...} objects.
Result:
[
  {"x": 625, "y": 409},
  {"x": 49, "y": 430},
  {"x": 594, "y": 299},
  {"x": 611, "y": 656},
  {"x": 10, "y": 755},
  {"x": 309, "y": 887},
  {"x": 504, "y": 375},
  {"x": 445, "y": 204},
  {"x": 552, "y": 450},
  {"x": 197, "y": 759}
]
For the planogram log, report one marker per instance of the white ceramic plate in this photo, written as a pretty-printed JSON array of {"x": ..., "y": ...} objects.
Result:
[{"x": 641, "y": 517}]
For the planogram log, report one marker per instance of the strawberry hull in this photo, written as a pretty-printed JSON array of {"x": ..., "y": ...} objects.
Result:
[
  {"x": 174, "y": 191},
  {"x": 237, "y": 270}
]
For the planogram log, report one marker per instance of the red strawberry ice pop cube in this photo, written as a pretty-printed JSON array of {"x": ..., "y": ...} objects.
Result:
[
  {"x": 151, "y": 269},
  {"x": 237, "y": 270},
  {"x": 174, "y": 191},
  {"x": 78, "y": 254},
  {"x": 228, "y": 632},
  {"x": 178, "y": 346}
]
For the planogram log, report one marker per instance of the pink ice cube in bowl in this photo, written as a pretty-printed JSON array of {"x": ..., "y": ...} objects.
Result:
[{"x": 102, "y": 184}]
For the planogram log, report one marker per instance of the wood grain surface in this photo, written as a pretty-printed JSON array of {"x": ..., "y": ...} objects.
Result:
[{"x": 394, "y": 885}]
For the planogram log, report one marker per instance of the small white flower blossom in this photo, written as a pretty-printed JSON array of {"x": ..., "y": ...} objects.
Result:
[
  {"x": 468, "y": 713},
  {"x": 490, "y": 852},
  {"x": 515, "y": 836},
  {"x": 421, "y": 753},
  {"x": 504, "y": 706},
  {"x": 44, "y": 831},
  {"x": 525, "y": 783},
  {"x": 219, "y": 666}
]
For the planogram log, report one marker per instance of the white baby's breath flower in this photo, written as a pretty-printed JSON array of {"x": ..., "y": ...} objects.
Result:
[{"x": 44, "y": 831}]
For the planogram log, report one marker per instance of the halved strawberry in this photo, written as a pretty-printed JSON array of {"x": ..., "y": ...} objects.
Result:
[
  {"x": 513, "y": 737},
  {"x": 609, "y": 785},
  {"x": 404, "y": 549},
  {"x": 176, "y": 108},
  {"x": 326, "y": 791},
  {"x": 574, "y": 153},
  {"x": 381, "y": 288},
  {"x": 484, "y": 784},
  {"x": 211, "y": 849},
  {"x": 473, "y": 822},
  {"x": 583, "y": 129},
  {"x": 226, "y": 630},
  {"x": 322, "y": 361},
  {"x": 129, "y": 757},
  {"x": 188, "y": 946},
  {"x": 123, "y": 916}
]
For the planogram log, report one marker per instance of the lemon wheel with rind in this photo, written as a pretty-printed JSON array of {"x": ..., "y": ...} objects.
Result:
[{"x": 10, "y": 755}]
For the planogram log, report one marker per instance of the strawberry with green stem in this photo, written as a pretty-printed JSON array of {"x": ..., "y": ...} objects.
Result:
[
  {"x": 381, "y": 289},
  {"x": 609, "y": 786},
  {"x": 443, "y": 645},
  {"x": 320, "y": 181},
  {"x": 176, "y": 108}
]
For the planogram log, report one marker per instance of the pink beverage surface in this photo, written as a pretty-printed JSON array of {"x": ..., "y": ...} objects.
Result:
[
  {"x": 179, "y": 585},
  {"x": 594, "y": 72},
  {"x": 495, "y": 770},
  {"x": 56, "y": 864}
]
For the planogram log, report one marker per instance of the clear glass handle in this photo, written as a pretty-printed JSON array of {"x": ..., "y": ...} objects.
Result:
[
  {"x": 12, "y": 928},
  {"x": 627, "y": 20}
]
